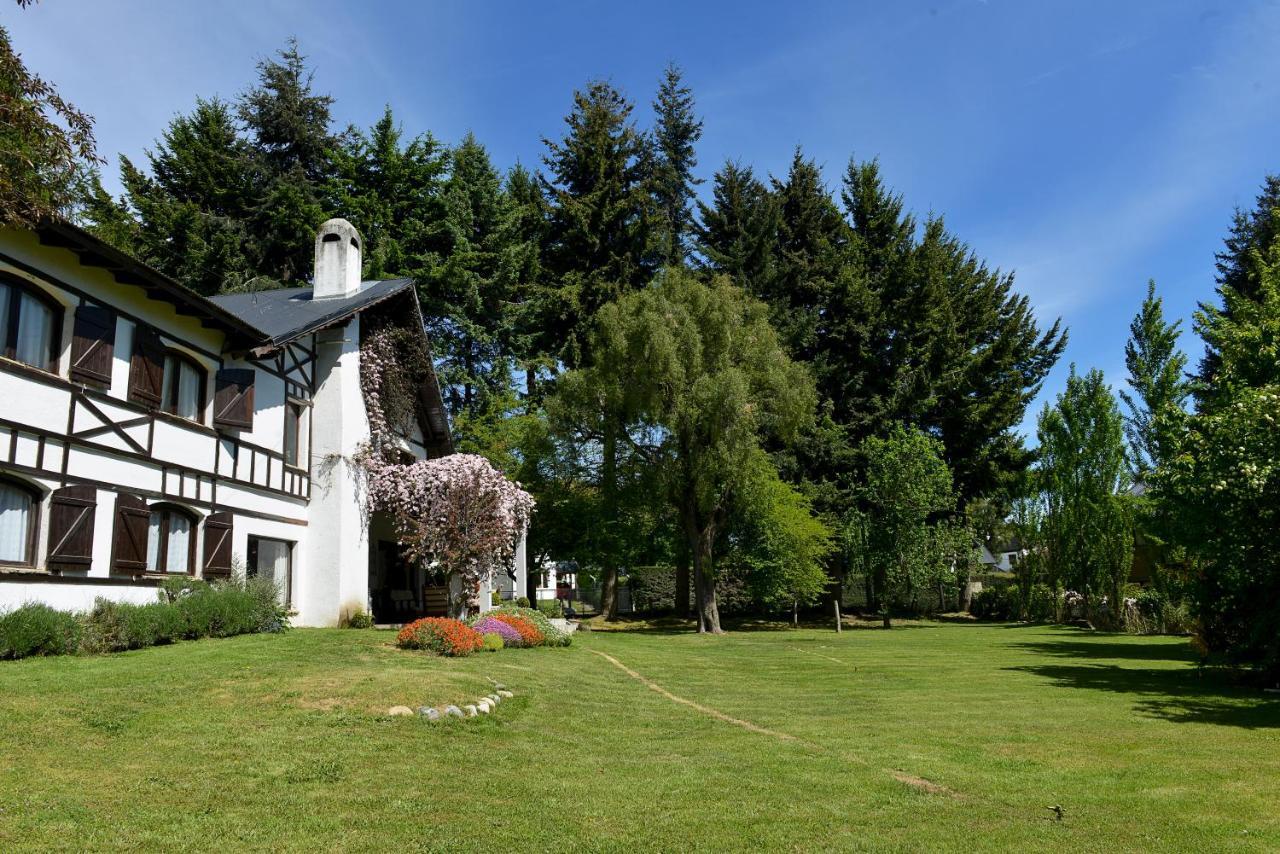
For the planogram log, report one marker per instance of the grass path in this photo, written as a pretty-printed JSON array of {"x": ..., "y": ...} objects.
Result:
[{"x": 281, "y": 743}]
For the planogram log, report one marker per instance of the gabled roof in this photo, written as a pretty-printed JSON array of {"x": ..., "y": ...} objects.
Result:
[{"x": 282, "y": 315}]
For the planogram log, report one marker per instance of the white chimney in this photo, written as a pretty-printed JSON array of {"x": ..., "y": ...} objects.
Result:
[{"x": 337, "y": 260}]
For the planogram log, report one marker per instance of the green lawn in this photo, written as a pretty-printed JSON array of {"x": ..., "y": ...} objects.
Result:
[{"x": 928, "y": 737}]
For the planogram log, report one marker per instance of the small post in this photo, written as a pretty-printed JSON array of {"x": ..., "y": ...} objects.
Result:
[{"x": 835, "y": 604}]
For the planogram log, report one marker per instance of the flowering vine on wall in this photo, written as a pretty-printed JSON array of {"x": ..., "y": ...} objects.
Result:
[{"x": 457, "y": 512}]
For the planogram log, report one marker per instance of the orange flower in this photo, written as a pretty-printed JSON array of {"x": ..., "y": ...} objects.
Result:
[
  {"x": 440, "y": 635},
  {"x": 529, "y": 632}
]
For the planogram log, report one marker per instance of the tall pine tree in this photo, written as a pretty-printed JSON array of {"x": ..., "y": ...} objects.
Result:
[
  {"x": 1159, "y": 388},
  {"x": 676, "y": 132}
]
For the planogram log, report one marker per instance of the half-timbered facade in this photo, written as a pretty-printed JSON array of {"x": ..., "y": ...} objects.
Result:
[{"x": 147, "y": 432}]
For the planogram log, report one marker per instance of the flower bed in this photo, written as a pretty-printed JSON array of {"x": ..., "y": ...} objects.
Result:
[
  {"x": 491, "y": 625},
  {"x": 440, "y": 635},
  {"x": 530, "y": 635}
]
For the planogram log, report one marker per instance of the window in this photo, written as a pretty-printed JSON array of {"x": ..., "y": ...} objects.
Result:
[
  {"x": 19, "y": 511},
  {"x": 292, "y": 431},
  {"x": 170, "y": 545},
  {"x": 183, "y": 390},
  {"x": 29, "y": 326},
  {"x": 273, "y": 560}
]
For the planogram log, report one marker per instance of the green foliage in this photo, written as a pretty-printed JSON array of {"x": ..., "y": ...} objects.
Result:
[
  {"x": 737, "y": 232},
  {"x": 676, "y": 132},
  {"x": 356, "y": 619},
  {"x": 493, "y": 642},
  {"x": 777, "y": 541},
  {"x": 522, "y": 601},
  {"x": 118, "y": 626},
  {"x": 901, "y": 539},
  {"x": 1088, "y": 519},
  {"x": 998, "y": 602},
  {"x": 653, "y": 588},
  {"x": 37, "y": 629},
  {"x": 601, "y": 216},
  {"x": 1222, "y": 488},
  {"x": 1156, "y": 367},
  {"x": 695, "y": 375},
  {"x": 45, "y": 143}
]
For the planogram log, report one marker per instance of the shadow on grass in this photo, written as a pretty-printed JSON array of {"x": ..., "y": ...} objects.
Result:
[
  {"x": 1180, "y": 695},
  {"x": 1121, "y": 647},
  {"x": 676, "y": 626}
]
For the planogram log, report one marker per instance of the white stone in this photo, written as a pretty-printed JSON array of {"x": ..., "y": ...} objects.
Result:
[
  {"x": 505, "y": 694},
  {"x": 399, "y": 711},
  {"x": 453, "y": 711},
  {"x": 471, "y": 711}
]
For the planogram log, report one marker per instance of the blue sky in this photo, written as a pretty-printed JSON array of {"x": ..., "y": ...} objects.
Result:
[{"x": 1088, "y": 146}]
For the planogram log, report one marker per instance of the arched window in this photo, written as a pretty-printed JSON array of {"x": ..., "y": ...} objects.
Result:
[
  {"x": 183, "y": 391},
  {"x": 171, "y": 540},
  {"x": 30, "y": 325},
  {"x": 19, "y": 518}
]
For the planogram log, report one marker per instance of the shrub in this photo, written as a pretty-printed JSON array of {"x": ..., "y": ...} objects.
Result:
[
  {"x": 357, "y": 619},
  {"x": 994, "y": 603},
  {"x": 37, "y": 629},
  {"x": 1042, "y": 604},
  {"x": 441, "y": 635},
  {"x": 492, "y": 625},
  {"x": 522, "y": 601},
  {"x": 530, "y": 634},
  {"x": 551, "y": 607},
  {"x": 234, "y": 608},
  {"x": 493, "y": 642},
  {"x": 550, "y": 634},
  {"x": 495, "y": 597}
]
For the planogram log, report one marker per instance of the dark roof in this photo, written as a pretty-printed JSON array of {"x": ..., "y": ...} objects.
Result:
[
  {"x": 284, "y": 314},
  {"x": 128, "y": 270}
]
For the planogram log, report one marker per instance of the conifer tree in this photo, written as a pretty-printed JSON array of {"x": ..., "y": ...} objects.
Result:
[
  {"x": 737, "y": 233},
  {"x": 1160, "y": 390},
  {"x": 288, "y": 124},
  {"x": 811, "y": 239},
  {"x": 390, "y": 189},
  {"x": 601, "y": 213},
  {"x": 675, "y": 136}
]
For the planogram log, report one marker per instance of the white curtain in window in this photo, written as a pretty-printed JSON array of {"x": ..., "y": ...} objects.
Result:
[
  {"x": 179, "y": 550},
  {"x": 15, "y": 520},
  {"x": 153, "y": 540},
  {"x": 35, "y": 332},
  {"x": 273, "y": 564},
  {"x": 188, "y": 391}
]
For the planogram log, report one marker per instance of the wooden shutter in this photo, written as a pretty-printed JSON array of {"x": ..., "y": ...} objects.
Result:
[
  {"x": 146, "y": 369},
  {"x": 129, "y": 542},
  {"x": 217, "y": 545},
  {"x": 233, "y": 399},
  {"x": 92, "y": 344},
  {"x": 71, "y": 513}
]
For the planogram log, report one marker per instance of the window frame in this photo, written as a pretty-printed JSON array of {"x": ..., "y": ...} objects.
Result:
[
  {"x": 171, "y": 408},
  {"x": 251, "y": 562},
  {"x": 295, "y": 408},
  {"x": 9, "y": 335},
  {"x": 33, "y": 523},
  {"x": 162, "y": 550}
]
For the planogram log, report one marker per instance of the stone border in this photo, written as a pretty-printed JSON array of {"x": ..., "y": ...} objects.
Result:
[{"x": 482, "y": 706}]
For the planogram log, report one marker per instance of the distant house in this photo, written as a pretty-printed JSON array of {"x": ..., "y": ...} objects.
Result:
[
  {"x": 148, "y": 432},
  {"x": 1001, "y": 556}
]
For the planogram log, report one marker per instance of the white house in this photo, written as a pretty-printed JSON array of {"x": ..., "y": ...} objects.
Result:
[{"x": 148, "y": 432}]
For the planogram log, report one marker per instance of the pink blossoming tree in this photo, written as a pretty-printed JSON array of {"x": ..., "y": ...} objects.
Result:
[{"x": 457, "y": 512}]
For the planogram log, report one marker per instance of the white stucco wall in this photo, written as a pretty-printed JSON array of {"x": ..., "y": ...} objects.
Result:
[{"x": 337, "y": 576}]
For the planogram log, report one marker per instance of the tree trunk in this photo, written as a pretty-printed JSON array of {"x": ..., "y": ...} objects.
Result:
[
  {"x": 700, "y": 545},
  {"x": 872, "y": 605},
  {"x": 609, "y": 490},
  {"x": 682, "y": 583},
  {"x": 530, "y": 383}
]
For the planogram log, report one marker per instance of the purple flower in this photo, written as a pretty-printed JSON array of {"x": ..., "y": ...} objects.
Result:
[{"x": 490, "y": 626}]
